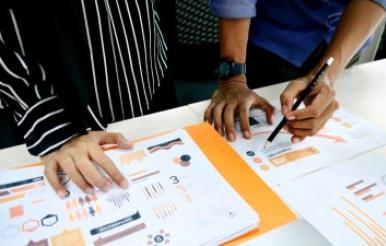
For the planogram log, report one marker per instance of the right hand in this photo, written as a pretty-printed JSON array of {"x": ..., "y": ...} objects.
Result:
[
  {"x": 75, "y": 159},
  {"x": 235, "y": 98}
]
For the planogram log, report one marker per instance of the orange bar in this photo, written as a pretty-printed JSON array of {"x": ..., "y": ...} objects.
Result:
[
  {"x": 293, "y": 155},
  {"x": 27, "y": 187},
  {"x": 11, "y": 198},
  {"x": 354, "y": 228},
  {"x": 363, "y": 213},
  {"x": 272, "y": 210}
]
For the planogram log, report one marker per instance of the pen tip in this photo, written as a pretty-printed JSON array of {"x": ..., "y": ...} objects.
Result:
[{"x": 266, "y": 144}]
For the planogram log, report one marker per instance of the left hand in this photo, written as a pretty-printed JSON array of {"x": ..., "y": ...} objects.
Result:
[{"x": 320, "y": 106}]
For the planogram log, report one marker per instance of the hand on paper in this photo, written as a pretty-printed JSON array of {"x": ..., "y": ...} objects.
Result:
[
  {"x": 76, "y": 157},
  {"x": 235, "y": 98},
  {"x": 319, "y": 107}
]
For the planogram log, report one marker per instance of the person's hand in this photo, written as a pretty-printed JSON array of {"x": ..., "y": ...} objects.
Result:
[
  {"x": 319, "y": 107},
  {"x": 75, "y": 158},
  {"x": 235, "y": 98}
]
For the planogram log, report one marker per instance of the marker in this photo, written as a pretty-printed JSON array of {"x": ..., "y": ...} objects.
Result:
[{"x": 302, "y": 96}]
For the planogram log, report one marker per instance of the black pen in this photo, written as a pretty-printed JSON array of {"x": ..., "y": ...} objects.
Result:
[{"x": 302, "y": 96}]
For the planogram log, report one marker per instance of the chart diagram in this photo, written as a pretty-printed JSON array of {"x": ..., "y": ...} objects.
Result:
[
  {"x": 344, "y": 136},
  {"x": 349, "y": 208}
]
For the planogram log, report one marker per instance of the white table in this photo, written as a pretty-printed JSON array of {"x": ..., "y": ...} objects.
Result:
[{"x": 361, "y": 90}]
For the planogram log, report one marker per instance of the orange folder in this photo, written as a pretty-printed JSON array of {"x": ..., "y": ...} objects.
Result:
[{"x": 272, "y": 210}]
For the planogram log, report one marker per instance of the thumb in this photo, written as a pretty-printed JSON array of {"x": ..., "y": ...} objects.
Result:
[
  {"x": 115, "y": 138},
  {"x": 289, "y": 94},
  {"x": 269, "y": 110}
]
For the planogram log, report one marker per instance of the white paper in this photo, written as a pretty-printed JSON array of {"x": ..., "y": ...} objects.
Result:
[
  {"x": 346, "y": 202},
  {"x": 175, "y": 197},
  {"x": 345, "y": 135}
]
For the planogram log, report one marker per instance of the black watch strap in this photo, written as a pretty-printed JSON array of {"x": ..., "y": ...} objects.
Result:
[{"x": 239, "y": 69}]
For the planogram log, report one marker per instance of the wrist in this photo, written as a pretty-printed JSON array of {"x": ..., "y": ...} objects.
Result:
[
  {"x": 329, "y": 75},
  {"x": 238, "y": 79}
]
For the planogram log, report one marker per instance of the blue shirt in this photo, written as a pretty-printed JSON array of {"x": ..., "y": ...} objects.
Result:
[{"x": 291, "y": 29}]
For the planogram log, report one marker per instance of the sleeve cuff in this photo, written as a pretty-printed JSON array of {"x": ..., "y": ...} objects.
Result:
[
  {"x": 233, "y": 9},
  {"x": 46, "y": 126}
]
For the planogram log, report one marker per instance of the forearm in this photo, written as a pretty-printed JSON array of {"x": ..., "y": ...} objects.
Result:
[
  {"x": 234, "y": 39},
  {"x": 358, "y": 22}
]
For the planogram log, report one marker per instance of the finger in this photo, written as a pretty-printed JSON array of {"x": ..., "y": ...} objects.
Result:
[
  {"x": 70, "y": 169},
  {"x": 115, "y": 138},
  {"x": 208, "y": 115},
  {"x": 296, "y": 139},
  {"x": 218, "y": 113},
  {"x": 300, "y": 133},
  {"x": 306, "y": 124},
  {"x": 244, "y": 121},
  {"x": 315, "y": 109},
  {"x": 317, "y": 124},
  {"x": 90, "y": 173},
  {"x": 229, "y": 121},
  {"x": 267, "y": 108},
  {"x": 108, "y": 166},
  {"x": 289, "y": 94},
  {"x": 51, "y": 173}
]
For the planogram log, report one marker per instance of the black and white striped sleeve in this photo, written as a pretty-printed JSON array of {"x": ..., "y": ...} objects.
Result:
[{"x": 39, "y": 113}]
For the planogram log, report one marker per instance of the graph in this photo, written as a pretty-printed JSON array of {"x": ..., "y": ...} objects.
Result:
[
  {"x": 153, "y": 191},
  {"x": 165, "y": 145},
  {"x": 119, "y": 200},
  {"x": 344, "y": 202},
  {"x": 18, "y": 189},
  {"x": 343, "y": 137},
  {"x": 165, "y": 210},
  {"x": 293, "y": 156},
  {"x": 183, "y": 160},
  {"x": 142, "y": 175},
  {"x": 129, "y": 158},
  {"x": 361, "y": 223},
  {"x": 82, "y": 207},
  {"x": 366, "y": 191},
  {"x": 118, "y": 235}
]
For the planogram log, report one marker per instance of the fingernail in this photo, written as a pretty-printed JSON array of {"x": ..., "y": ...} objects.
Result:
[
  {"x": 295, "y": 140},
  {"x": 247, "y": 134},
  {"x": 285, "y": 127},
  {"x": 106, "y": 188},
  {"x": 291, "y": 117},
  {"x": 231, "y": 137},
  {"x": 126, "y": 144},
  {"x": 63, "y": 194},
  {"x": 89, "y": 191},
  {"x": 273, "y": 119},
  {"x": 124, "y": 184}
]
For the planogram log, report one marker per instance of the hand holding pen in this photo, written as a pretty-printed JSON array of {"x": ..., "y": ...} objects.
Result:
[{"x": 318, "y": 96}]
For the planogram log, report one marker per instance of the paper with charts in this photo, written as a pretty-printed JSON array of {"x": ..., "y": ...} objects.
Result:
[
  {"x": 346, "y": 202},
  {"x": 345, "y": 135},
  {"x": 176, "y": 197}
]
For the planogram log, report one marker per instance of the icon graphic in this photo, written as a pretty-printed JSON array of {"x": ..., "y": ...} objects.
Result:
[
  {"x": 30, "y": 225},
  {"x": 49, "y": 220}
]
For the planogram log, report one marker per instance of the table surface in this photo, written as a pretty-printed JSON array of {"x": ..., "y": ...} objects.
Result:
[{"x": 361, "y": 90}]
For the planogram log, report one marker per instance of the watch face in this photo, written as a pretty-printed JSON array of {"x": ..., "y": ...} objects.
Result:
[{"x": 224, "y": 69}]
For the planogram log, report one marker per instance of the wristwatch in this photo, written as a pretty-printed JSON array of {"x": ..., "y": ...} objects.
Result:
[{"x": 227, "y": 68}]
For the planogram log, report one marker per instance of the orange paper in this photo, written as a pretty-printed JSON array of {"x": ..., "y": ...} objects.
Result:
[{"x": 271, "y": 209}]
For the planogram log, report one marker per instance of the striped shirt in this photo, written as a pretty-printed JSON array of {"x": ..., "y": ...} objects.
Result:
[{"x": 78, "y": 65}]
